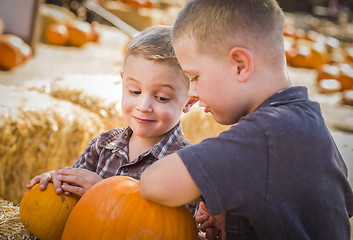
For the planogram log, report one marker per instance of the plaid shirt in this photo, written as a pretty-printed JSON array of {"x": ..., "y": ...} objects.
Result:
[{"x": 107, "y": 154}]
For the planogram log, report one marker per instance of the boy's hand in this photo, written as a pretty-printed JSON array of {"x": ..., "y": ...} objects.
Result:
[
  {"x": 213, "y": 226},
  {"x": 78, "y": 180},
  {"x": 44, "y": 179}
]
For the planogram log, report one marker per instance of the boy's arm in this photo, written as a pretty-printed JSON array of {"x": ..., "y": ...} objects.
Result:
[{"x": 169, "y": 183}]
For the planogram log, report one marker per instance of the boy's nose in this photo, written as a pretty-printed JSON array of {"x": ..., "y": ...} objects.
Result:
[{"x": 144, "y": 105}]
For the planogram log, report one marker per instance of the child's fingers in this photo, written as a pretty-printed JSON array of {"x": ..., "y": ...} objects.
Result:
[
  {"x": 33, "y": 182},
  {"x": 57, "y": 185},
  {"x": 73, "y": 189},
  {"x": 212, "y": 233},
  {"x": 201, "y": 218},
  {"x": 209, "y": 223},
  {"x": 44, "y": 179},
  {"x": 74, "y": 179}
]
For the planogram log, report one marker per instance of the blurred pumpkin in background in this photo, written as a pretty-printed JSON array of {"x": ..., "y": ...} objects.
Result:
[
  {"x": 79, "y": 33},
  {"x": 57, "y": 34},
  {"x": 13, "y": 51}
]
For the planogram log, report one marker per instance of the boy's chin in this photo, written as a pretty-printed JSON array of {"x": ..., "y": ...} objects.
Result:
[{"x": 224, "y": 121}]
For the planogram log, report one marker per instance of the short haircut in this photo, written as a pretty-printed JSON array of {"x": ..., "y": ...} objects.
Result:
[
  {"x": 155, "y": 44},
  {"x": 219, "y": 25}
]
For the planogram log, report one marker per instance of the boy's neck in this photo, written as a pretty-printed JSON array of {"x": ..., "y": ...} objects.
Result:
[
  {"x": 138, "y": 145},
  {"x": 269, "y": 83}
]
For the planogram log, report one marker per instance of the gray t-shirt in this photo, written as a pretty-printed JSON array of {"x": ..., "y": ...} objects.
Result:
[{"x": 277, "y": 173}]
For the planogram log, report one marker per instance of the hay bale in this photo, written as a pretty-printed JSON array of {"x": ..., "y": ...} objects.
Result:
[
  {"x": 39, "y": 133},
  {"x": 11, "y": 226},
  {"x": 198, "y": 125},
  {"x": 100, "y": 94}
]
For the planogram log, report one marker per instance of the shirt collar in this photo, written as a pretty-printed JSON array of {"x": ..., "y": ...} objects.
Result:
[
  {"x": 171, "y": 142},
  {"x": 288, "y": 95},
  {"x": 117, "y": 140}
]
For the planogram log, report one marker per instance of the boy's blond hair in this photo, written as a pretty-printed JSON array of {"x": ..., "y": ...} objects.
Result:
[
  {"x": 219, "y": 25},
  {"x": 155, "y": 44}
]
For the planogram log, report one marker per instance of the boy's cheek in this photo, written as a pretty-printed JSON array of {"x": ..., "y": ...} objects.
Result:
[{"x": 171, "y": 113}]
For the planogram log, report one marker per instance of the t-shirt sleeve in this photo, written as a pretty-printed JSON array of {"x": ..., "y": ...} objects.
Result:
[{"x": 231, "y": 169}]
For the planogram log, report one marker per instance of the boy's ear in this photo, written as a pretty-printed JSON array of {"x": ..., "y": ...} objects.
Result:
[
  {"x": 190, "y": 103},
  {"x": 242, "y": 60}
]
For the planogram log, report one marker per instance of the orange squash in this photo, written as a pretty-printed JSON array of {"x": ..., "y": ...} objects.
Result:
[
  {"x": 320, "y": 55},
  {"x": 347, "y": 97},
  {"x": 13, "y": 51},
  {"x": 300, "y": 56},
  {"x": 57, "y": 34},
  {"x": 139, "y": 3},
  {"x": 346, "y": 76},
  {"x": 44, "y": 213},
  {"x": 80, "y": 33},
  {"x": 349, "y": 52},
  {"x": 114, "y": 209},
  {"x": 328, "y": 71}
]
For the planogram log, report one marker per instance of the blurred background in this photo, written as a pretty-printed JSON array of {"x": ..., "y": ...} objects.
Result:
[
  {"x": 60, "y": 84},
  {"x": 60, "y": 63}
]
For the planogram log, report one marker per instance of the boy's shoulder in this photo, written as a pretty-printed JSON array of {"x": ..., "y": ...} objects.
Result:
[
  {"x": 110, "y": 138},
  {"x": 288, "y": 107}
]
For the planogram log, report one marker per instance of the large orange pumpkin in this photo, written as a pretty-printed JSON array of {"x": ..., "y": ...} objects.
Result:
[
  {"x": 114, "y": 209},
  {"x": 44, "y": 213},
  {"x": 13, "y": 51}
]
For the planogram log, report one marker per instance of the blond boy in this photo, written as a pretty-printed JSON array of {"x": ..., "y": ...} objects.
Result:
[
  {"x": 154, "y": 95},
  {"x": 277, "y": 173}
]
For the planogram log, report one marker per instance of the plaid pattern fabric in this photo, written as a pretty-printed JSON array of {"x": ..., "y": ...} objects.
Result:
[{"x": 107, "y": 154}]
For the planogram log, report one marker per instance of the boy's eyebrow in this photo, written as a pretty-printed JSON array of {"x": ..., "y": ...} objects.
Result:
[
  {"x": 166, "y": 85},
  {"x": 132, "y": 79},
  {"x": 159, "y": 84}
]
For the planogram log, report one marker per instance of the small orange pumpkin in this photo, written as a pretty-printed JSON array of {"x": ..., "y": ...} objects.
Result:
[
  {"x": 44, "y": 213},
  {"x": 13, "y": 51},
  {"x": 80, "y": 33},
  {"x": 328, "y": 71},
  {"x": 57, "y": 34},
  {"x": 114, "y": 209},
  {"x": 346, "y": 76}
]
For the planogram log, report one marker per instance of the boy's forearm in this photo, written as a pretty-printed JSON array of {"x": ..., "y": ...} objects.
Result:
[{"x": 168, "y": 182}]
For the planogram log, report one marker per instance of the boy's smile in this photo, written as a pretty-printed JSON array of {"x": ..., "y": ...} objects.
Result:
[
  {"x": 142, "y": 120},
  {"x": 154, "y": 96}
]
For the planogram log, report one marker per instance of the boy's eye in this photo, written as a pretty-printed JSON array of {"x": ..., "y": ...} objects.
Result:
[
  {"x": 135, "y": 92},
  {"x": 162, "y": 99}
]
